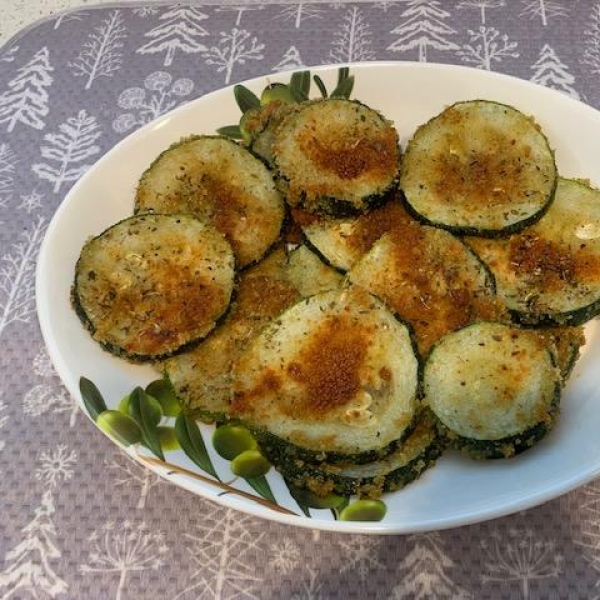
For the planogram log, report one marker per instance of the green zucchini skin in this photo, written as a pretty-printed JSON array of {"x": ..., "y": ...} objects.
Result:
[
  {"x": 336, "y": 157},
  {"x": 419, "y": 452},
  {"x": 494, "y": 388},
  {"x": 334, "y": 378},
  {"x": 451, "y": 179},
  {"x": 152, "y": 286},
  {"x": 219, "y": 181},
  {"x": 549, "y": 274}
]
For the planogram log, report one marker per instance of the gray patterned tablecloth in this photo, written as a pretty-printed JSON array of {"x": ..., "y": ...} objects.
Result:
[{"x": 78, "y": 519}]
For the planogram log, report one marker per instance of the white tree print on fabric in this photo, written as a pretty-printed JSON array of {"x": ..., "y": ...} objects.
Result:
[
  {"x": 550, "y": 71},
  {"x": 240, "y": 10},
  {"x": 310, "y": 590},
  {"x": 69, "y": 16},
  {"x": 352, "y": 42},
  {"x": 163, "y": 95},
  {"x": 481, "y": 6},
  {"x": 423, "y": 29},
  {"x": 424, "y": 572},
  {"x": 56, "y": 466},
  {"x": 291, "y": 60},
  {"x": 590, "y": 527},
  {"x": 127, "y": 472},
  {"x": 385, "y": 4},
  {"x": 298, "y": 13},
  {"x": 124, "y": 548},
  {"x": 235, "y": 46},
  {"x": 487, "y": 46},
  {"x": 9, "y": 55},
  {"x": 224, "y": 550},
  {"x": 28, "y": 565},
  {"x": 28, "y": 570},
  {"x": 591, "y": 55},
  {"x": 181, "y": 30},
  {"x": 26, "y": 100},
  {"x": 544, "y": 9},
  {"x": 17, "y": 277},
  {"x": 285, "y": 555},
  {"x": 8, "y": 162},
  {"x": 520, "y": 556},
  {"x": 145, "y": 11},
  {"x": 74, "y": 143},
  {"x": 31, "y": 202},
  {"x": 361, "y": 556},
  {"x": 102, "y": 55}
]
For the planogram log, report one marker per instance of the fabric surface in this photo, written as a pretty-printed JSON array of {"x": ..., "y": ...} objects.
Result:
[{"x": 79, "y": 519}]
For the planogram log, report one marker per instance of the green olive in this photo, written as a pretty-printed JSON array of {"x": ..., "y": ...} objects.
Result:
[
  {"x": 163, "y": 391},
  {"x": 124, "y": 405},
  {"x": 364, "y": 510},
  {"x": 231, "y": 440},
  {"x": 277, "y": 91},
  {"x": 134, "y": 406},
  {"x": 168, "y": 440},
  {"x": 119, "y": 427},
  {"x": 308, "y": 498},
  {"x": 250, "y": 463}
]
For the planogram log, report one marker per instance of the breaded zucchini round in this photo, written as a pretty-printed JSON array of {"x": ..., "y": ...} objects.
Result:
[
  {"x": 334, "y": 378},
  {"x": 218, "y": 181},
  {"x": 336, "y": 156},
  {"x": 479, "y": 167},
  {"x": 550, "y": 273},
  {"x": 152, "y": 285},
  {"x": 494, "y": 388}
]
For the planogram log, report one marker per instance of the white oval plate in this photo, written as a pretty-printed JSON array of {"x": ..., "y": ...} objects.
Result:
[{"x": 457, "y": 491}]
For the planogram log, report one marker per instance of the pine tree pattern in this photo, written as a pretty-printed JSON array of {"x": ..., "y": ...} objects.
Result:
[
  {"x": 591, "y": 55},
  {"x": 544, "y": 9},
  {"x": 481, "y": 6},
  {"x": 181, "y": 30},
  {"x": 353, "y": 41},
  {"x": 102, "y": 54},
  {"x": 290, "y": 60},
  {"x": 8, "y": 163},
  {"x": 74, "y": 144},
  {"x": 17, "y": 277},
  {"x": 550, "y": 71},
  {"x": 234, "y": 47},
  {"x": 298, "y": 13},
  {"x": 423, "y": 29},
  {"x": 26, "y": 100},
  {"x": 240, "y": 11},
  {"x": 69, "y": 16},
  {"x": 487, "y": 47}
]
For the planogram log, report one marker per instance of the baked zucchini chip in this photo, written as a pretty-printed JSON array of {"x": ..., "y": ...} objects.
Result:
[
  {"x": 342, "y": 242},
  {"x": 202, "y": 377},
  {"x": 479, "y": 167},
  {"x": 218, "y": 181},
  {"x": 550, "y": 273},
  {"x": 334, "y": 378},
  {"x": 494, "y": 388},
  {"x": 416, "y": 454},
  {"x": 336, "y": 156},
  {"x": 153, "y": 285},
  {"x": 429, "y": 278}
]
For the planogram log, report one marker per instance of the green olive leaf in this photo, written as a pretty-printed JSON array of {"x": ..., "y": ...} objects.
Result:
[
  {"x": 92, "y": 398},
  {"x": 231, "y": 131},
  {"x": 148, "y": 422},
  {"x": 344, "y": 89},
  {"x": 320, "y": 85},
  {"x": 190, "y": 439},
  {"x": 245, "y": 98},
  {"x": 261, "y": 486},
  {"x": 300, "y": 85}
]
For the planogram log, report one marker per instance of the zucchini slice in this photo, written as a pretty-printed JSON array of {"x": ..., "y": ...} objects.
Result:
[
  {"x": 550, "y": 273},
  {"x": 153, "y": 285},
  {"x": 202, "y": 377},
  {"x": 219, "y": 181},
  {"x": 334, "y": 378},
  {"x": 479, "y": 167},
  {"x": 336, "y": 156},
  {"x": 417, "y": 453},
  {"x": 342, "y": 242},
  {"x": 565, "y": 344},
  {"x": 430, "y": 279},
  {"x": 494, "y": 388}
]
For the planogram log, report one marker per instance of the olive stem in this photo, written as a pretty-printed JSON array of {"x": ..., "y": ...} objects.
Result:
[{"x": 183, "y": 471}]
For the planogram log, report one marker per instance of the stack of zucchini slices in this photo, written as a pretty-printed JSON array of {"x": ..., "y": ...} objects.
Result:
[{"x": 358, "y": 310}]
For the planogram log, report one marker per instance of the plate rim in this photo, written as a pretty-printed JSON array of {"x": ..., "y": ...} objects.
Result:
[{"x": 464, "y": 518}]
